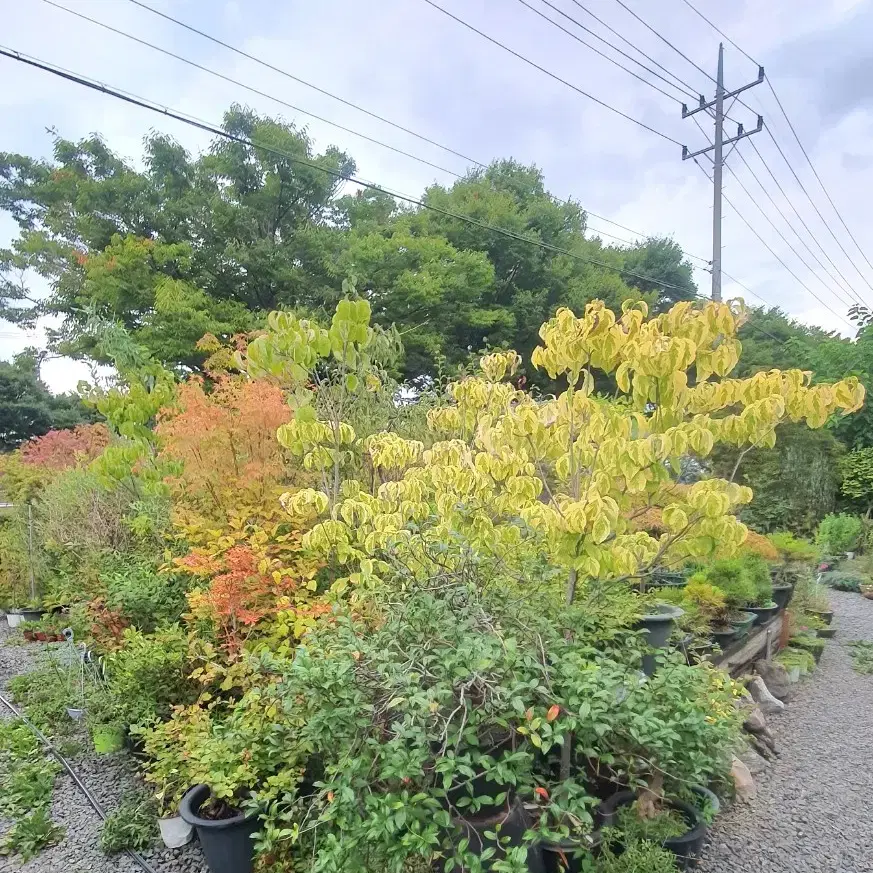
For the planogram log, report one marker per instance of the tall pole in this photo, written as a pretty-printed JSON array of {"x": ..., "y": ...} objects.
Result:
[
  {"x": 30, "y": 551},
  {"x": 718, "y": 163},
  {"x": 715, "y": 108}
]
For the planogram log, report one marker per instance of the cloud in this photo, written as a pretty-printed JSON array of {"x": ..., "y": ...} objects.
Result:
[{"x": 406, "y": 61}]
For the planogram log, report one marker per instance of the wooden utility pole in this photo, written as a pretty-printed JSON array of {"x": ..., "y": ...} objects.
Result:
[{"x": 715, "y": 108}]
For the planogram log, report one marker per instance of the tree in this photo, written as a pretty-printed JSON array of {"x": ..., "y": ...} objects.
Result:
[
  {"x": 27, "y": 408},
  {"x": 240, "y": 228},
  {"x": 857, "y": 470}
]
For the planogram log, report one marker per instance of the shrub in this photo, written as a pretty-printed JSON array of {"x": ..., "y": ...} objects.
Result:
[
  {"x": 137, "y": 591},
  {"x": 838, "y": 533},
  {"x": 731, "y": 577},
  {"x": 61, "y": 449},
  {"x": 792, "y": 548},
  {"x": 758, "y": 573}
]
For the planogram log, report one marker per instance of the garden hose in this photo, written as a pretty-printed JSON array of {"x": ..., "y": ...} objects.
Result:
[{"x": 66, "y": 765}]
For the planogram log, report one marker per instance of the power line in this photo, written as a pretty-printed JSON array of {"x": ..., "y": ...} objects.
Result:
[
  {"x": 216, "y": 131},
  {"x": 773, "y": 253},
  {"x": 341, "y": 127},
  {"x": 550, "y": 74},
  {"x": 248, "y": 88},
  {"x": 588, "y": 45},
  {"x": 627, "y": 42},
  {"x": 719, "y": 31},
  {"x": 287, "y": 75},
  {"x": 846, "y": 282},
  {"x": 799, "y": 143},
  {"x": 818, "y": 178}
]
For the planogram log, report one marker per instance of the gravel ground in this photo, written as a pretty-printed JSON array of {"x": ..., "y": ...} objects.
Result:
[
  {"x": 813, "y": 812},
  {"x": 107, "y": 777}
]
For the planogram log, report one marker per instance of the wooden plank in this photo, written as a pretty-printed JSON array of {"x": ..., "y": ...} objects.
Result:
[{"x": 754, "y": 647}]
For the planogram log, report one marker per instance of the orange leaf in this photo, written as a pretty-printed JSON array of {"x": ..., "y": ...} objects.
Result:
[
  {"x": 541, "y": 792},
  {"x": 553, "y": 713}
]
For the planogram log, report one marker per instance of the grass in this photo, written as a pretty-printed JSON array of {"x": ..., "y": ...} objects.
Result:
[{"x": 862, "y": 656}]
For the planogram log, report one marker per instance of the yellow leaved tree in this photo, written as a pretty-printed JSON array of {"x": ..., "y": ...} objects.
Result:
[{"x": 568, "y": 472}]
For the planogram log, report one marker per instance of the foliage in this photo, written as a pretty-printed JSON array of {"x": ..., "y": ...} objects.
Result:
[
  {"x": 807, "y": 643},
  {"x": 26, "y": 782},
  {"x": 784, "y": 500},
  {"x": 843, "y": 582},
  {"x": 862, "y": 656},
  {"x": 758, "y": 573},
  {"x": 130, "y": 826},
  {"x": 224, "y": 442},
  {"x": 60, "y": 449},
  {"x": 668, "y": 823},
  {"x": 137, "y": 591},
  {"x": 503, "y": 449},
  {"x": 857, "y": 472},
  {"x": 27, "y": 408},
  {"x": 709, "y": 601},
  {"x": 792, "y": 548},
  {"x": 838, "y": 533},
  {"x": 635, "y": 858},
  {"x": 147, "y": 675},
  {"x": 797, "y": 657},
  {"x": 732, "y": 578}
]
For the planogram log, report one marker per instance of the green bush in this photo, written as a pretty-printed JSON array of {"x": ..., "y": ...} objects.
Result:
[
  {"x": 132, "y": 825},
  {"x": 838, "y": 533},
  {"x": 792, "y": 548},
  {"x": 758, "y": 573},
  {"x": 732, "y": 578},
  {"x": 144, "y": 596},
  {"x": 842, "y": 582},
  {"x": 146, "y": 676}
]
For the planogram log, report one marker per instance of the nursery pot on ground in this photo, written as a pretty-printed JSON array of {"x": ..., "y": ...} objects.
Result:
[
  {"x": 226, "y": 842},
  {"x": 743, "y": 624},
  {"x": 827, "y": 633},
  {"x": 686, "y": 847},
  {"x": 29, "y": 636},
  {"x": 13, "y": 619},
  {"x": 826, "y": 615},
  {"x": 763, "y": 614},
  {"x": 782, "y": 594},
  {"x": 75, "y": 713},
  {"x": 568, "y": 855},
  {"x": 723, "y": 636},
  {"x": 24, "y": 615},
  {"x": 658, "y": 626},
  {"x": 175, "y": 831},
  {"x": 706, "y": 797},
  {"x": 509, "y": 826}
]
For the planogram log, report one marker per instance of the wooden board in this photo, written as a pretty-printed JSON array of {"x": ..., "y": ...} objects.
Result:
[{"x": 745, "y": 652}]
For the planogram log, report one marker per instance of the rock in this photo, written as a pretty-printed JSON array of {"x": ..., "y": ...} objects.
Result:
[
  {"x": 764, "y": 749},
  {"x": 776, "y": 678},
  {"x": 744, "y": 784},
  {"x": 755, "y": 722},
  {"x": 768, "y": 704},
  {"x": 754, "y": 762}
]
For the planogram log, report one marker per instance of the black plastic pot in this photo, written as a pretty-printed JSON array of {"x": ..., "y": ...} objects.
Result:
[
  {"x": 827, "y": 633},
  {"x": 227, "y": 842},
  {"x": 782, "y": 594},
  {"x": 744, "y": 625},
  {"x": 723, "y": 637},
  {"x": 706, "y": 796},
  {"x": 508, "y": 826},
  {"x": 826, "y": 615},
  {"x": 658, "y": 626},
  {"x": 686, "y": 847},
  {"x": 763, "y": 614},
  {"x": 568, "y": 855}
]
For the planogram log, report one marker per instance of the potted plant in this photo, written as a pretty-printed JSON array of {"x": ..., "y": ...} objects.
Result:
[
  {"x": 657, "y": 625},
  {"x": 839, "y": 534},
  {"x": 818, "y": 605}
]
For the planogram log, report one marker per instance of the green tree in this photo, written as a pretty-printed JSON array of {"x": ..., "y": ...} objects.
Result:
[
  {"x": 857, "y": 470},
  {"x": 27, "y": 408},
  {"x": 251, "y": 230}
]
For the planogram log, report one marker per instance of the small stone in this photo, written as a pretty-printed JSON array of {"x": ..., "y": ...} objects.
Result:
[
  {"x": 743, "y": 781},
  {"x": 755, "y": 722},
  {"x": 755, "y": 762},
  {"x": 768, "y": 704},
  {"x": 776, "y": 678}
]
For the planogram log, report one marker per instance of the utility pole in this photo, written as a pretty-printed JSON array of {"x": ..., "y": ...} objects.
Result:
[{"x": 715, "y": 109}]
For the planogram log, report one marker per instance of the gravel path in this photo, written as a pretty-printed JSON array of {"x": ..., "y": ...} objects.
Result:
[
  {"x": 107, "y": 777},
  {"x": 814, "y": 809}
]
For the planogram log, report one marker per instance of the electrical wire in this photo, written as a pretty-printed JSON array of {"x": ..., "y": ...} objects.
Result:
[
  {"x": 397, "y": 126},
  {"x": 249, "y": 88},
  {"x": 287, "y": 75},
  {"x": 815, "y": 173},
  {"x": 772, "y": 252},
  {"x": 846, "y": 282},
  {"x": 192, "y": 121},
  {"x": 550, "y": 74},
  {"x": 135, "y": 856},
  {"x": 799, "y": 143},
  {"x": 632, "y": 45},
  {"x": 719, "y": 31},
  {"x": 682, "y": 90}
]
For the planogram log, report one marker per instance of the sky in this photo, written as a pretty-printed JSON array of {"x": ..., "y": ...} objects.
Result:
[{"x": 410, "y": 63}]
